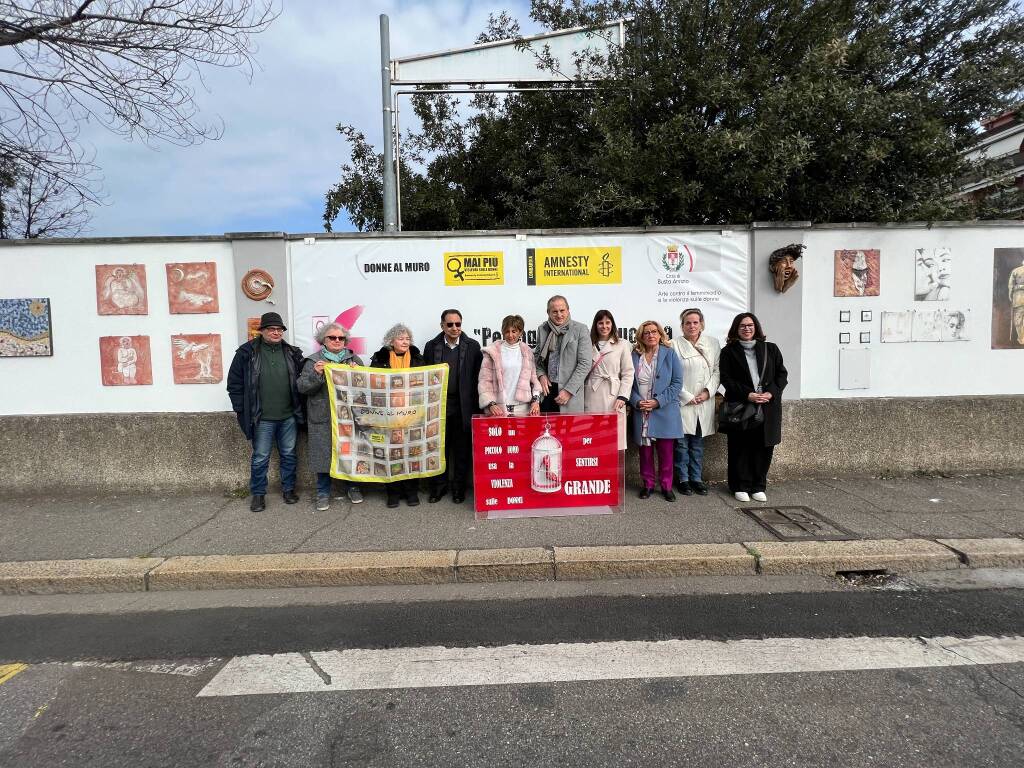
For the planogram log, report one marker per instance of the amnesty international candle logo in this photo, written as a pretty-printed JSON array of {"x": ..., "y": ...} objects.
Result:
[
  {"x": 477, "y": 268},
  {"x": 574, "y": 266}
]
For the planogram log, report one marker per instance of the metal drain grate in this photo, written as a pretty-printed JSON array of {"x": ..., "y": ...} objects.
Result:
[{"x": 798, "y": 524}]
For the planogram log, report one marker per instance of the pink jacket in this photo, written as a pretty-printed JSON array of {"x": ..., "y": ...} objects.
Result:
[{"x": 491, "y": 385}]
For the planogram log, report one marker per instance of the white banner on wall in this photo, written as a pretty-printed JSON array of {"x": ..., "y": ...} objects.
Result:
[{"x": 369, "y": 285}]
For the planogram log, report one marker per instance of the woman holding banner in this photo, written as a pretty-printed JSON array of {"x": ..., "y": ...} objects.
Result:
[
  {"x": 398, "y": 352},
  {"x": 607, "y": 387},
  {"x": 508, "y": 384},
  {"x": 657, "y": 425},
  {"x": 699, "y": 354},
  {"x": 312, "y": 383}
]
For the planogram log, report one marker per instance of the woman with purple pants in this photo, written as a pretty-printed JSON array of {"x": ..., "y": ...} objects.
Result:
[{"x": 655, "y": 400}]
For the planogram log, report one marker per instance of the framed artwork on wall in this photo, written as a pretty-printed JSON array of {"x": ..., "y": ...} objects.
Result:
[
  {"x": 196, "y": 358},
  {"x": 125, "y": 361},
  {"x": 192, "y": 288},
  {"x": 857, "y": 273},
  {"x": 25, "y": 328},
  {"x": 121, "y": 289}
]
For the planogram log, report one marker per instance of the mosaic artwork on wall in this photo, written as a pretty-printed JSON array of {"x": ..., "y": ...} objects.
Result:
[
  {"x": 25, "y": 329},
  {"x": 857, "y": 273},
  {"x": 192, "y": 288},
  {"x": 125, "y": 361},
  {"x": 252, "y": 325},
  {"x": 196, "y": 358},
  {"x": 121, "y": 289},
  {"x": 1008, "y": 299},
  {"x": 933, "y": 274}
]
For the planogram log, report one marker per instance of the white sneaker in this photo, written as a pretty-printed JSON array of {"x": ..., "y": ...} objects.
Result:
[
  {"x": 742, "y": 496},
  {"x": 759, "y": 496}
]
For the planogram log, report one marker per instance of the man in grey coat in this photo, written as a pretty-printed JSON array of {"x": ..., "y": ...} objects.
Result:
[{"x": 563, "y": 356}]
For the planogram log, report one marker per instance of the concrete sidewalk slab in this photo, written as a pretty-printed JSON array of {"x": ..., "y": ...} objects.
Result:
[
  {"x": 50, "y": 527},
  {"x": 55, "y": 527},
  {"x": 62, "y": 577},
  {"x": 988, "y": 553},
  {"x": 584, "y": 563},
  {"x": 324, "y": 569},
  {"x": 827, "y": 558}
]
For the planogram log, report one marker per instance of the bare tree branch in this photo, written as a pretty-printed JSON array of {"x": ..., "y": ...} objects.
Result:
[{"x": 129, "y": 65}]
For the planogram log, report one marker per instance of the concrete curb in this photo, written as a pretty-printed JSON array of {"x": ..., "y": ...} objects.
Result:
[
  {"x": 448, "y": 566},
  {"x": 652, "y": 560},
  {"x": 825, "y": 558},
  {"x": 68, "y": 577},
  {"x": 328, "y": 569},
  {"x": 988, "y": 553}
]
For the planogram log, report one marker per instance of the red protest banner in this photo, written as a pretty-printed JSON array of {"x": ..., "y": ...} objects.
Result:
[{"x": 546, "y": 462}]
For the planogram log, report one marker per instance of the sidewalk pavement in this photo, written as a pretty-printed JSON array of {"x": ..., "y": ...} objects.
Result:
[{"x": 53, "y": 543}]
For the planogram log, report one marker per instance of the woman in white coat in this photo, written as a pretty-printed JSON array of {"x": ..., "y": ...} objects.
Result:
[
  {"x": 607, "y": 387},
  {"x": 699, "y": 354}
]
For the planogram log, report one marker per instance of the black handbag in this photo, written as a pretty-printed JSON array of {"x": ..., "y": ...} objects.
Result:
[
  {"x": 744, "y": 415},
  {"x": 739, "y": 417}
]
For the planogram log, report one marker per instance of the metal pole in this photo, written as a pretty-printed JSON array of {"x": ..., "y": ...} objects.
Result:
[
  {"x": 398, "y": 164},
  {"x": 390, "y": 205}
]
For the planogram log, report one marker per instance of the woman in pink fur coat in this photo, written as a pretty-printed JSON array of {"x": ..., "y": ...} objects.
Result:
[{"x": 508, "y": 383}]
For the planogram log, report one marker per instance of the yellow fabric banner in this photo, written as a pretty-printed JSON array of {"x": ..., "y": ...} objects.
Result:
[{"x": 388, "y": 424}]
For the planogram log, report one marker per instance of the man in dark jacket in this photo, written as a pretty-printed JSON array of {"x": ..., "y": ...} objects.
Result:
[
  {"x": 463, "y": 356},
  {"x": 265, "y": 398}
]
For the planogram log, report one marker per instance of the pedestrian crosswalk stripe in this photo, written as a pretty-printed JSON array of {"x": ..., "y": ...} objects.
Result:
[
  {"x": 7, "y": 671},
  {"x": 431, "y": 667}
]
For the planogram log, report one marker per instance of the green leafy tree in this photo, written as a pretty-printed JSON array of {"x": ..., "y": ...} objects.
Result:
[{"x": 720, "y": 111}]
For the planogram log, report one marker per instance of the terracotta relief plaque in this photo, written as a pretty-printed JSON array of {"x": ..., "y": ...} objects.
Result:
[
  {"x": 196, "y": 358},
  {"x": 125, "y": 361},
  {"x": 192, "y": 288},
  {"x": 121, "y": 289}
]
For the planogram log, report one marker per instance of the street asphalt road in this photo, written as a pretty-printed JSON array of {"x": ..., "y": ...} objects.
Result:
[{"x": 62, "y": 710}]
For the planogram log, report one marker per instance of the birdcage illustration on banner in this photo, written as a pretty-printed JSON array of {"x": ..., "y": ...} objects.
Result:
[{"x": 546, "y": 463}]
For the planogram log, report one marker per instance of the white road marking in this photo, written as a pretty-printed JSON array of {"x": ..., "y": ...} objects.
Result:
[
  {"x": 185, "y": 669},
  {"x": 432, "y": 667}
]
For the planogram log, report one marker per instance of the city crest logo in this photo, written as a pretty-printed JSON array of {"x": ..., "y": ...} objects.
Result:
[{"x": 674, "y": 260}]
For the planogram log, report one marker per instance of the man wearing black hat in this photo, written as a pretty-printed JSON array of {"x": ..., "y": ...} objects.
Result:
[{"x": 264, "y": 396}]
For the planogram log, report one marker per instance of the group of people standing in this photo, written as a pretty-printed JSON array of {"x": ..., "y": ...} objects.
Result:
[{"x": 668, "y": 389}]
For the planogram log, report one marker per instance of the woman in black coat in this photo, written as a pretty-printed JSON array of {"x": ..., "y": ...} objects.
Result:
[
  {"x": 398, "y": 352},
  {"x": 752, "y": 371}
]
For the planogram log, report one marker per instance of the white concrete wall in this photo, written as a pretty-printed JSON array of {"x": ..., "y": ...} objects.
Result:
[
  {"x": 913, "y": 368},
  {"x": 69, "y": 382},
  {"x": 805, "y": 321}
]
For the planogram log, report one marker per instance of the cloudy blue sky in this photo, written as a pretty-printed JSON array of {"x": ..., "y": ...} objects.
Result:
[{"x": 319, "y": 65}]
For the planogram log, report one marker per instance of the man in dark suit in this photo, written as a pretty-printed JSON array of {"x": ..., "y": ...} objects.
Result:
[{"x": 463, "y": 357}]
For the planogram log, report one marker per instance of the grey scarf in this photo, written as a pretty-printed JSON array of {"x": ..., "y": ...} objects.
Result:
[
  {"x": 751, "y": 356},
  {"x": 556, "y": 333}
]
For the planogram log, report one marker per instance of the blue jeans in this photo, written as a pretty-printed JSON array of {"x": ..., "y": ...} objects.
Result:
[
  {"x": 689, "y": 459},
  {"x": 323, "y": 484},
  {"x": 267, "y": 433}
]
